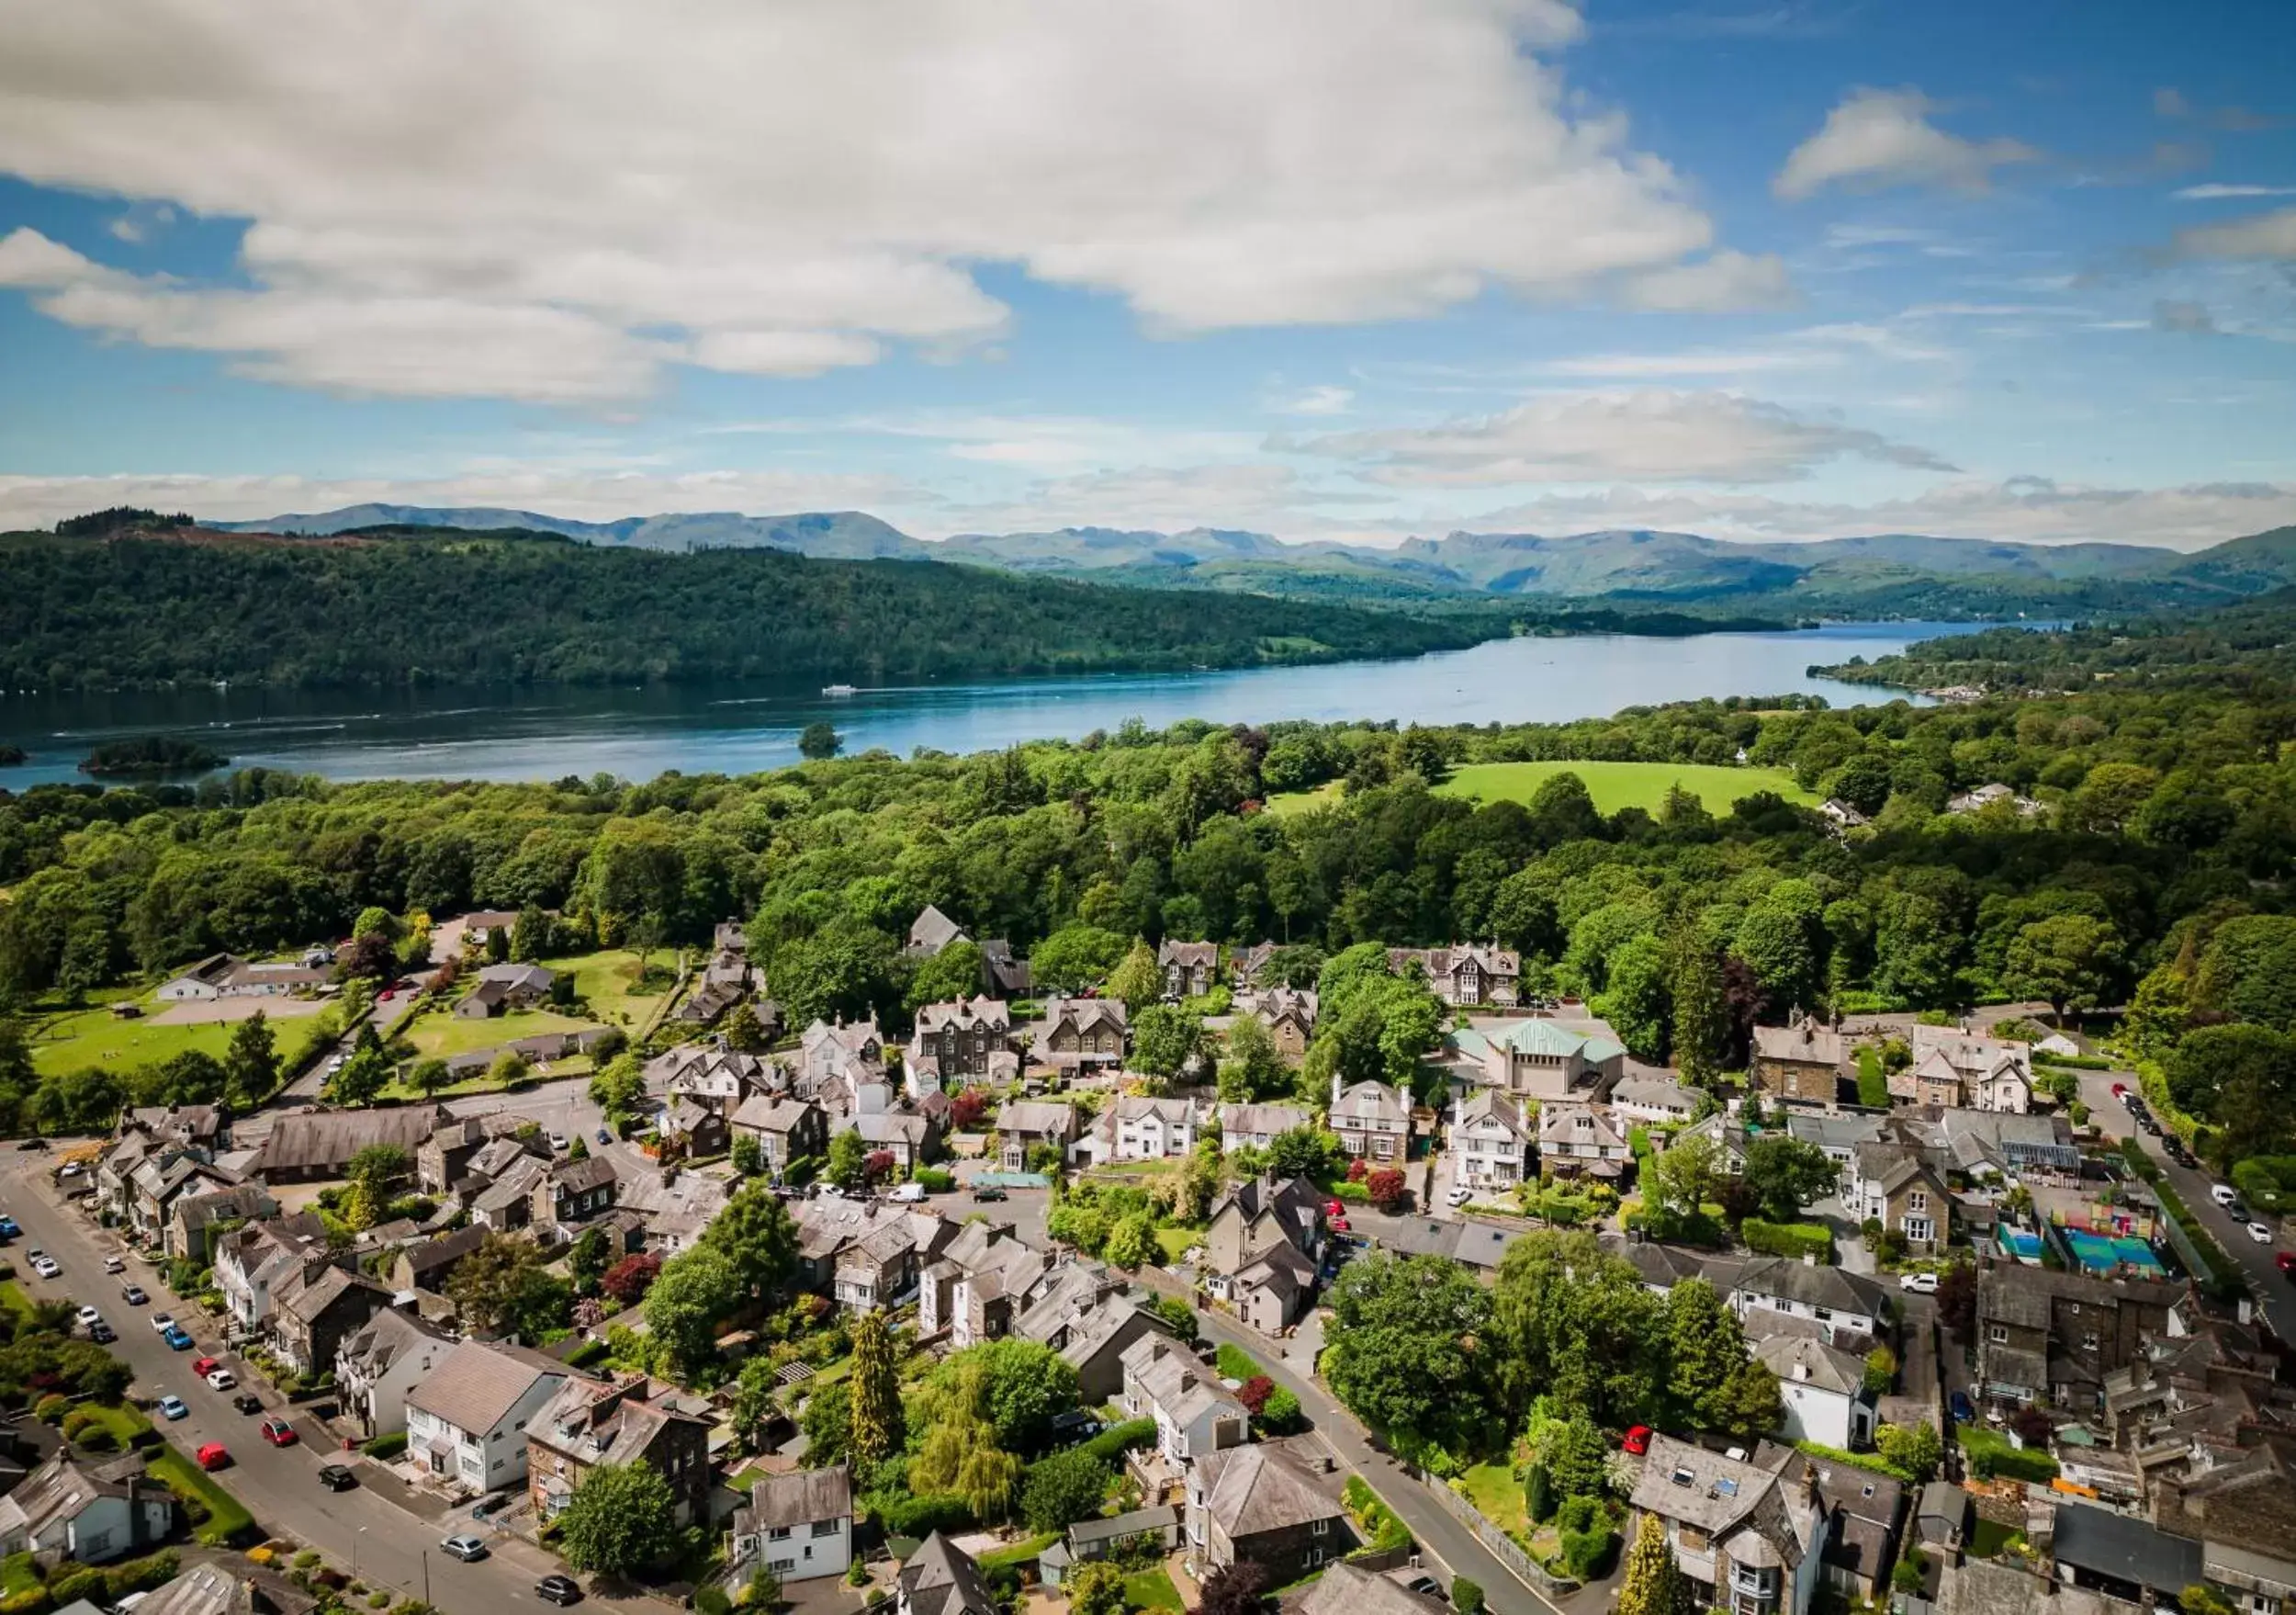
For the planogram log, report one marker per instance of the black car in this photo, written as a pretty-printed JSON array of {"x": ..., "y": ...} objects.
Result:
[
  {"x": 247, "y": 1402},
  {"x": 102, "y": 1333},
  {"x": 33, "y": 1144},
  {"x": 987, "y": 1191},
  {"x": 558, "y": 1589},
  {"x": 2178, "y": 1152},
  {"x": 336, "y": 1478}
]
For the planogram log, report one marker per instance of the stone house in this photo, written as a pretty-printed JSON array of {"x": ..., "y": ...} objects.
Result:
[
  {"x": 254, "y": 1262},
  {"x": 1372, "y": 1119},
  {"x": 931, "y": 932},
  {"x": 1092, "y": 1321},
  {"x": 834, "y": 1051},
  {"x": 1540, "y": 1059},
  {"x": 1465, "y": 977},
  {"x": 966, "y": 1038},
  {"x": 1803, "y": 1060},
  {"x": 978, "y": 1284},
  {"x": 155, "y": 1189},
  {"x": 1085, "y": 1033},
  {"x": 1896, "y": 1186},
  {"x": 2054, "y": 1337},
  {"x": 1004, "y": 974},
  {"x": 1491, "y": 1143},
  {"x": 797, "y": 1527},
  {"x": 428, "y": 1266},
  {"x": 1190, "y": 968},
  {"x": 315, "y": 1144},
  {"x": 694, "y": 1131},
  {"x": 1289, "y": 1014},
  {"x": 1751, "y": 1539},
  {"x": 784, "y": 1128},
  {"x": 908, "y": 1136},
  {"x": 1246, "y": 964},
  {"x": 593, "y": 1422},
  {"x": 1025, "y": 1124},
  {"x": 1257, "y": 1126},
  {"x": 1660, "y": 1100},
  {"x": 1262, "y": 1249},
  {"x": 941, "y": 1578},
  {"x": 500, "y": 987},
  {"x": 1957, "y": 1069},
  {"x": 1852, "y": 1308},
  {"x": 1581, "y": 1141},
  {"x": 315, "y": 1312},
  {"x": 193, "y": 1220},
  {"x": 573, "y": 1191},
  {"x": 1259, "y": 1505}
]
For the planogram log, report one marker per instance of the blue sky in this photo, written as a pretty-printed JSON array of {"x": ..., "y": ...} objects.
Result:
[{"x": 1780, "y": 270}]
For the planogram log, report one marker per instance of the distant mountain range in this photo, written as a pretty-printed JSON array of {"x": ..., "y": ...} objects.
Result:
[{"x": 1896, "y": 574}]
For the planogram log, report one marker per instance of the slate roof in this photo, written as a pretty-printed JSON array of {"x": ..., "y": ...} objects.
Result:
[
  {"x": 2128, "y": 1549},
  {"x": 479, "y": 1383},
  {"x": 1812, "y": 1284},
  {"x": 1038, "y": 1119},
  {"x": 1349, "y": 1589},
  {"x": 941, "y": 1578},
  {"x": 1178, "y": 1384},
  {"x": 933, "y": 931},
  {"x": 1253, "y": 1119},
  {"x": 1252, "y": 1489},
  {"x": 1795, "y": 1359},
  {"x": 311, "y": 1140},
  {"x": 800, "y": 1498}
]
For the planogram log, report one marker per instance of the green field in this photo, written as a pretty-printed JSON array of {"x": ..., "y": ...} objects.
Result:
[
  {"x": 442, "y": 1033},
  {"x": 1611, "y": 784},
  {"x": 80, "y": 1038},
  {"x": 606, "y": 979}
]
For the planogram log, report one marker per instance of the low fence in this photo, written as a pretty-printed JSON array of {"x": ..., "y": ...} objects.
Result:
[{"x": 1501, "y": 1546}]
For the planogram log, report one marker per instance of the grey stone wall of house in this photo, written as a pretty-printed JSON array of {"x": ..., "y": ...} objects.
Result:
[{"x": 1502, "y": 1547}]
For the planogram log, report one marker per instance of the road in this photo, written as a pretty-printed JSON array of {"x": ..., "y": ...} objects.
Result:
[
  {"x": 356, "y": 1530},
  {"x": 2271, "y": 1287}
]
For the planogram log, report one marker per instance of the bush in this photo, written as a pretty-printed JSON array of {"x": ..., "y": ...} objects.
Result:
[
  {"x": 1791, "y": 1240},
  {"x": 920, "y": 1516},
  {"x": 1110, "y": 1445},
  {"x": 51, "y": 1409},
  {"x": 1352, "y": 1193},
  {"x": 97, "y": 1437},
  {"x": 86, "y": 1582},
  {"x": 935, "y": 1180},
  {"x": 138, "y": 1576},
  {"x": 306, "y": 1559},
  {"x": 387, "y": 1446},
  {"x": 1282, "y": 1416},
  {"x": 1382, "y": 1531},
  {"x": 1467, "y": 1597}
]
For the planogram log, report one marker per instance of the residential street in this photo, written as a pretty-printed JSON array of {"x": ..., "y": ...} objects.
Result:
[
  {"x": 357, "y": 1528},
  {"x": 2271, "y": 1285}
]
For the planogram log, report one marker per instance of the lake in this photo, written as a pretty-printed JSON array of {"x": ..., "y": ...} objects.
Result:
[{"x": 523, "y": 733}]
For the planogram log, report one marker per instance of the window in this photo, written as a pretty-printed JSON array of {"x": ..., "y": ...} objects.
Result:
[
  {"x": 1321, "y": 1528},
  {"x": 2088, "y": 1341},
  {"x": 824, "y": 1528},
  {"x": 1998, "y": 1334},
  {"x": 780, "y": 1566},
  {"x": 778, "y": 1533}
]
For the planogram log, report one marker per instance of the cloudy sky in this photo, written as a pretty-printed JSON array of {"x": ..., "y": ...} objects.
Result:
[{"x": 1760, "y": 268}]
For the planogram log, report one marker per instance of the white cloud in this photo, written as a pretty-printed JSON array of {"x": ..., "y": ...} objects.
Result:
[
  {"x": 1726, "y": 281},
  {"x": 1875, "y": 139},
  {"x": 532, "y": 203},
  {"x": 1584, "y": 437},
  {"x": 2260, "y": 235},
  {"x": 2220, "y": 193},
  {"x": 1315, "y": 401}
]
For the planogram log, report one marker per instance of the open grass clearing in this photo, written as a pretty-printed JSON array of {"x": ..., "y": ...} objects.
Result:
[
  {"x": 226, "y": 1516},
  {"x": 1613, "y": 786},
  {"x": 1495, "y": 1492},
  {"x": 441, "y": 1033},
  {"x": 1178, "y": 1242},
  {"x": 1153, "y": 1589},
  {"x": 78, "y": 1039},
  {"x": 607, "y": 980}
]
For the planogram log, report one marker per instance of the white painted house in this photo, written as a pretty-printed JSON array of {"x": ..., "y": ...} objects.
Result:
[
  {"x": 466, "y": 1423},
  {"x": 1822, "y": 1390},
  {"x": 1154, "y": 1129},
  {"x": 798, "y": 1526},
  {"x": 1492, "y": 1145}
]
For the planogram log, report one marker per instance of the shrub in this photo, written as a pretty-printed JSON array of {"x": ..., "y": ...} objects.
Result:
[
  {"x": 1281, "y": 1416},
  {"x": 1110, "y": 1445},
  {"x": 1352, "y": 1193},
  {"x": 74, "y": 1585},
  {"x": 306, "y": 1559},
  {"x": 935, "y": 1180},
  {"x": 1382, "y": 1531},
  {"x": 1467, "y": 1597},
  {"x": 136, "y": 1576},
  {"x": 1791, "y": 1240},
  {"x": 51, "y": 1409},
  {"x": 97, "y": 1437},
  {"x": 920, "y": 1516},
  {"x": 387, "y": 1446}
]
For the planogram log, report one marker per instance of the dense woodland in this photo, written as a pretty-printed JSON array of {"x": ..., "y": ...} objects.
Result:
[
  {"x": 2157, "y": 867},
  {"x": 421, "y": 606}
]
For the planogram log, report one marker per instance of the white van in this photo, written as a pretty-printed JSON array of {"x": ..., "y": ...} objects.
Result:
[{"x": 2222, "y": 1193}]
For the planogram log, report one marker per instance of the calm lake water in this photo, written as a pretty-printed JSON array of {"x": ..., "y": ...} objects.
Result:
[{"x": 636, "y": 733}]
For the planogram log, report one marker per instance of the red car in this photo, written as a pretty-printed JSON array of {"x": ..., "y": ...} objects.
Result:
[
  {"x": 2119, "y": 1090},
  {"x": 1637, "y": 1440},
  {"x": 214, "y": 1456},
  {"x": 204, "y": 1366},
  {"x": 1332, "y": 1208},
  {"x": 1339, "y": 1225},
  {"x": 278, "y": 1432},
  {"x": 2286, "y": 1262}
]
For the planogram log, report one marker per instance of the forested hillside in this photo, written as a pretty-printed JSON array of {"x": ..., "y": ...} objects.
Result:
[
  {"x": 2167, "y": 816},
  {"x": 423, "y": 606}
]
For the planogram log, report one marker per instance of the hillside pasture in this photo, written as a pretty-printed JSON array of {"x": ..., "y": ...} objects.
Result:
[{"x": 1613, "y": 786}]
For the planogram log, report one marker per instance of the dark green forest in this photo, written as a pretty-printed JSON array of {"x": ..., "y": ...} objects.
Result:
[
  {"x": 2155, "y": 872},
  {"x": 422, "y": 606}
]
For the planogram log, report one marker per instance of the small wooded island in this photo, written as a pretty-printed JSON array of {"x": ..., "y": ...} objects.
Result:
[{"x": 151, "y": 754}]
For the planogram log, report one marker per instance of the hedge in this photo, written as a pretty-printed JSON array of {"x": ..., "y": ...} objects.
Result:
[
  {"x": 920, "y": 1516},
  {"x": 1991, "y": 1455},
  {"x": 2072, "y": 1061},
  {"x": 227, "y": 1520},
  {"x": 1352, "y": 1193},
  {"x": 1794, "y": 1239},
  {"x": 388, "y": 1445},
  {"x": 1110, "y": 1445}
]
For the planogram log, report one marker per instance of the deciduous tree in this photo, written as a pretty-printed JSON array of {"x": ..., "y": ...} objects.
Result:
[{"x": 622, "y": 1519}]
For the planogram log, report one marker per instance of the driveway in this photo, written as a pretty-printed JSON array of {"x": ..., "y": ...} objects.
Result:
[{"x": 356, "y": 1530}]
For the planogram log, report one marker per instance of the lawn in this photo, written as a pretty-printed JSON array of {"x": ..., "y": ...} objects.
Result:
[
  {"x": 607, "y": 980},
  {"x": 125, "y": 1423},
  {"x": 227, "y": 1518},
  {"x": 1493, "y": 1490},
  {"x": 19, "y": 1574},
  {"x": 14, "y": 1299},
  {"x": 441, "y": 1033},
  {"x": 1611, "y": 784},
  {"x": 1152, "y": 1589},
  {"x": 1233, "y": 1364},
  {"x": 80, "y": 1038},
  {"x": 1990, "y": 1537},
  {"x": 1178, "y": 1242}
]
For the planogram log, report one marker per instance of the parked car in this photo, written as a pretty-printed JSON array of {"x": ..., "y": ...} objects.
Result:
[
  {"x": 1333, "y": 1208},
  {"x": 161, "y": 1322},
  {"x": 336, "y": 1478},
  {"x": 987, "y": 1191},
  {"x": 177, "y": 1340},
  {"x": 221, "y": 1379},
  {"x": 2177, "y": 1152},
  {"x": 278, "y": 1432},
  {"x": 133, "y": 1294},
  {"x": 2221, "y": 1193},
  {"x": 47, "y": 1267},
  {"x": 247, "y": 1402},
  {"x": 465, "y": 1548},
  {"x": 171, "y": 1407},
  {"x": 2237, "y": 1210},
  {"x": 604, "y": 1136},
  {"x": 1420, "y": 1582},
  {"x": 203, "y": 1366},
  {"x": 8, "y": 1228},
  {"x": 1459, "y": 1196},
  {"x": 102, "y": 1333},
  {"x": 908, "y": 1193},
  {"x": 1636, "y": 1440},
  {"x": 2121, "y": 1091},
  {"x": 2259, "y": 1232},
  {"x": 1919, "y": 1283},
  {"x": 214, "y": 1456},
  {"x": 86, "y": 1316},
  {"x": 558, "y": 1589},
  {"x": 1338, "y": 1224},
  {"x": 1962, "y": 1412},
  {"x": 113, "y": 1264},
  {"x": 558, "y": 1143}
]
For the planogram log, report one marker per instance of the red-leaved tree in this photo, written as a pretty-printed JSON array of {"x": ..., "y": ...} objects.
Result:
[
  {"x": 1253, "y": 1394},
  {"x": 628, "y": 1279},
  {"x": 967, "y": 1108},
  {"x": 1386, "y": 1188},
  {"x": 878, "y": 1166}
]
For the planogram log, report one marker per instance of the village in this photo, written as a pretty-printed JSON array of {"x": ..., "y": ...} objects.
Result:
[{"x": 1989, "y": 1356}]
